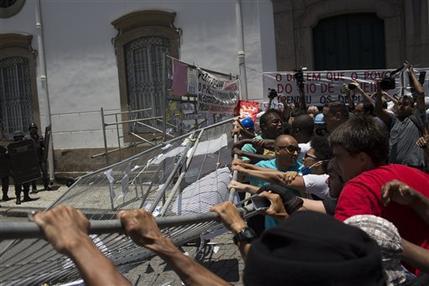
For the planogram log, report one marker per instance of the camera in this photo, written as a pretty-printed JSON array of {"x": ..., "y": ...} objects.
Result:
[
  {"x": 272, "y": 94},
  {"x": 387, "y": 83},
  {"x": 260, "y": 203},
  {"x": 352, "y": 86}
]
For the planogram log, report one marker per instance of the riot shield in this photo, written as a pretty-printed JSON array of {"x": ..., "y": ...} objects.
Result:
[
  {"x": 24, "y": 165},
  {"x": 47, "y": 138},
  {"x": 4, "y": 163}
]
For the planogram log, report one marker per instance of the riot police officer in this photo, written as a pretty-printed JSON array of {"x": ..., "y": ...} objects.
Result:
[
  {"x": 4, "y": 172},
  {"x": 40, "y": 147},
  {"x": 25, "y": 187}
]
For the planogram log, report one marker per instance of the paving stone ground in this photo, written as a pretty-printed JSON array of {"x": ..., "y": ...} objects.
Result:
[
  {"x": 220, "y": 256},
  {"x": 42, "y": 199}
]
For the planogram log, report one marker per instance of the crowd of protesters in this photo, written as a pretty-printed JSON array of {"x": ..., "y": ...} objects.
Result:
[{"x": 347, "y": 192}]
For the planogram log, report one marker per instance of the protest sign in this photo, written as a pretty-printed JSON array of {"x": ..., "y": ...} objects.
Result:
[
  {"x": 216, "y": 93},
  {"x": 321, "y": 87}
]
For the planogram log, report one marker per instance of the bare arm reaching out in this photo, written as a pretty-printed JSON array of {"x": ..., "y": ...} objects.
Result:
[
  {"x": 143, "y": 230},
  {"x": 67, "y": 230}
]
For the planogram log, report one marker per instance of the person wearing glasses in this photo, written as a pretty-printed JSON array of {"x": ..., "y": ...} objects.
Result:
[
  {"x": 286, "y": 153},
  {"x": 312, "y": 181}
]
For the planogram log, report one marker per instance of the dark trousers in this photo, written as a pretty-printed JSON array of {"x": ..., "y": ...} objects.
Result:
[
  {"x": 5, "y": 185},
  {"x": 45, "y": 178},
  {"x": 25, "y": 188}
]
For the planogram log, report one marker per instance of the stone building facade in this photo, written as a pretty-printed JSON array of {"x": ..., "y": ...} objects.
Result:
[{"x": 405, "y": 24}]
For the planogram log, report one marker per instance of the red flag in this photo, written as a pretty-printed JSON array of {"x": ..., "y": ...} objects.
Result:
[{"x": 248, "y": 108}]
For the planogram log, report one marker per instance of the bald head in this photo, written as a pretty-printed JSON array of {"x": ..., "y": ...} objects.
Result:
[
  {"x": 287, "y": 151},
  {"x": 285, "y": 140}
]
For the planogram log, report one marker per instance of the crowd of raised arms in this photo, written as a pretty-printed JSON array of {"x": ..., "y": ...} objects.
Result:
[{"x": 348, "y": 198}]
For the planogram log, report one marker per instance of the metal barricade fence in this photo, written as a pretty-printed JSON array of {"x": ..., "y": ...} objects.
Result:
[{"x": 178, "y": 181}]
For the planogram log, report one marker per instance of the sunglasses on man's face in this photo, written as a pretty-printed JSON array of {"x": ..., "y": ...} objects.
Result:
[{"x": 290, "y": 148}]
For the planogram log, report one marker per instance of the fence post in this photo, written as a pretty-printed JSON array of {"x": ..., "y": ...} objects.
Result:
[
  {"x": 103, "y": 126},
  {"x": 164, "y": 99},
  {"x": 119, "y": 137}
]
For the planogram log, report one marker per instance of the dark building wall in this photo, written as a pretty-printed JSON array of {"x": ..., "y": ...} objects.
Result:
[{"x": 406, "y": 34}]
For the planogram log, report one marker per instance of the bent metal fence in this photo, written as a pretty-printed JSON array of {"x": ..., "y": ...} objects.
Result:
[{"x": 177, "y": 181}]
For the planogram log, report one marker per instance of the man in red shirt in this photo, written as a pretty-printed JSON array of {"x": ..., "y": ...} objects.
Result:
[{"x": 360, "y": 149}]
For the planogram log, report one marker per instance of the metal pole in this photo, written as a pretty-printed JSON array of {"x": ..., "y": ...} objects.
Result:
[
  {"x": 119, "y": 137},
  {"x": 182, "y": 175},
  {"x": 164, "y": 99},
  {"x": 241, "y": 52},
  {"x": 22, "y": 230},
  {"x": 153, "y": 128},
  {"x": 234, "y": 174},
  {"x": 134, "y": 120},
  {"x": 178, "y": 164},
  {"x": 103, "y": 126},
  {"x": 44, "y": 85},
  {"x": 128, "y": 112}
]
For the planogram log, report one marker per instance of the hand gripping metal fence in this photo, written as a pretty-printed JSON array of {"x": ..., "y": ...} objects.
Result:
[{"x": 177, "y": 181}]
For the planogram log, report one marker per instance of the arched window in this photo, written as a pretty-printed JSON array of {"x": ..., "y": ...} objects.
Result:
[
  {"x": 143, "y": 59},
  {"x": 352, "y": 41},
  {"x": 18, "y": 98},
  {"x": 144, "y": 40}
]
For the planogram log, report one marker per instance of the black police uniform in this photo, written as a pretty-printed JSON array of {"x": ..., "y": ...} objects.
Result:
[
  {"x": 39, "y": 144},
  {"x": 25, "y": 188},
  {"x": 4, "y": 172}
]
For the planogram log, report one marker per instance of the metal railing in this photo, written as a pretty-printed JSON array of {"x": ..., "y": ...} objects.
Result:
[{"x": 122, "y": 127}]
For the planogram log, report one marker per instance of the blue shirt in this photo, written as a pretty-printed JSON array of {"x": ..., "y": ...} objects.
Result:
[
  {"x": 272, "y": 164},
  {"x": 249, "y": 149}
]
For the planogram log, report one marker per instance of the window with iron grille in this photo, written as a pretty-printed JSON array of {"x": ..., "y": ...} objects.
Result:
[
  {"x": 18, "y": 89},
  {"x": 15, "y": 95},
  {"x": 142, "y": 44},
  {"x": 146, "y": 78}
]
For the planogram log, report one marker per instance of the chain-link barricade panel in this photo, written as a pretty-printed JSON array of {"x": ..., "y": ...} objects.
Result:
[
  {"x": 163, "y": 180},
  {"x": 34, "y": 261},
  {"x": 205, "y": 182},
  {"x": 128, "y": 184}
]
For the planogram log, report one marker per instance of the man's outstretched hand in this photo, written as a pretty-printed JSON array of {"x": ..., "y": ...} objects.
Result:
[
  {"x": 398, "y": 192},
  {"x": 230, "y": 216},
  {"x": 141, "y": 226},
  {"x": 276, "y": 208},
  {"x": 64, "y": 227}
]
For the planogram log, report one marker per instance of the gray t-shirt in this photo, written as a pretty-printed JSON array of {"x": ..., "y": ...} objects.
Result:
[{"x": 402, "y": 142}]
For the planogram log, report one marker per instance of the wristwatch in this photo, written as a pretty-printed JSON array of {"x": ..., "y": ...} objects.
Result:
[{"x": 246, "y": 234}]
